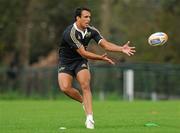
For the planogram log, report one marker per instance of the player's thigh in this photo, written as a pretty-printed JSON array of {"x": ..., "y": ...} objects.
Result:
[
  {"x": 65, "y": 80},
  {"x": 84, "y": 77}
]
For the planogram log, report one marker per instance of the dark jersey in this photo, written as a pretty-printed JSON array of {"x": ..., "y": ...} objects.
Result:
[{"x": 72, "y": 39}]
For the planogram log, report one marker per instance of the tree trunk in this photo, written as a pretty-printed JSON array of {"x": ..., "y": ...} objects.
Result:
[
  {"x": 106, "y": 17},
  {"x": 23, "y": 42},
  {"x": 23, "y": 34}
]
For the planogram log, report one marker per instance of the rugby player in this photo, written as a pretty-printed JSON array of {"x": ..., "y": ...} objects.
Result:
[{"x": 73, "y": 59}]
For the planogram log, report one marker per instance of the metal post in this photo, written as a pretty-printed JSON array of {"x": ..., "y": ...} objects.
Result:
[{"x": 128, "y": 85}]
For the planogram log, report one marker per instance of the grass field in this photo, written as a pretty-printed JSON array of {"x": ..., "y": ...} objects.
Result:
[{"x": 110, "y": 116}]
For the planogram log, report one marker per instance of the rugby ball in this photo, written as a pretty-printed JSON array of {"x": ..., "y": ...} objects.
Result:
[{"x": 157, "y": 39}]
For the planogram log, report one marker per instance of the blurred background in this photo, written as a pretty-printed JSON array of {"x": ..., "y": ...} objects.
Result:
[{"x": 30, "y": 34}]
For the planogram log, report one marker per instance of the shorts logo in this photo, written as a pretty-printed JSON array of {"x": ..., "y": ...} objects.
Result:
[
  {"x": 83, "y": 65},
  {"x": 61, "y": 68}
]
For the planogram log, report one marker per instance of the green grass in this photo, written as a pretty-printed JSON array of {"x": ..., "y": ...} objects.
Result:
[{"x": 28, "y": 116}]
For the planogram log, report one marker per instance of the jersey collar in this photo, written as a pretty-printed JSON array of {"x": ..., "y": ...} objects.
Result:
[{"x": 82, "y": 33}]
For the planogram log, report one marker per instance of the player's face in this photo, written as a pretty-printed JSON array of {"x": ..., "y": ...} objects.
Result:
[{"x": 85, "y": 18}]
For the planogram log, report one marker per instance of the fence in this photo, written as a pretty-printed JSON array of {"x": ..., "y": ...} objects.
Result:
[{"x": 151, "y": 81}]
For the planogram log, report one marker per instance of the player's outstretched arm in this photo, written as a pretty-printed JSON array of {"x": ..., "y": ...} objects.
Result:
[
  {"x": 115, "y": 48},
  {"x": 93, "y": 56}
]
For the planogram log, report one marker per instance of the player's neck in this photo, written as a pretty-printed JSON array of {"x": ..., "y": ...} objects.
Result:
[{"x": 80, "y": 27}]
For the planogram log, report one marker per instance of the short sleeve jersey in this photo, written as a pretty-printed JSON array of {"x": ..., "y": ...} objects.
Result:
[{"x": 72, "y": 39}]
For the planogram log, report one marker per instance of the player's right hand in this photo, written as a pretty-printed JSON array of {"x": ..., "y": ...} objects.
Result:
[
  {"x": 127, "y": 49},
  {"x": 106, "y": 58}
]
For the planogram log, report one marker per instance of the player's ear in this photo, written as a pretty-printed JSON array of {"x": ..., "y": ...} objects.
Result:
[{"x": 77, "y": 18}]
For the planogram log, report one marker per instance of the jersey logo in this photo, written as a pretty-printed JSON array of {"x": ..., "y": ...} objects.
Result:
[
  {"x": 88, "y": 34},
  {"x": 79, "y": 37}
]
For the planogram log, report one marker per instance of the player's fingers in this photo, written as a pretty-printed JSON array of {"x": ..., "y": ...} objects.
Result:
[
  {"x": 132, "y": 47},
  {"x": 128, "y": 54},
  {"x": 112, "y": 62},
  {"x": 128, "y": 42},
  {"x": 104, "y": 55},
  {"x": 133, "y": 50},
  {"x": 131, "y": 53}
]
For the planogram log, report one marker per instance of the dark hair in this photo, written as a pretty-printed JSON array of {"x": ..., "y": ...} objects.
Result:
[{"x": 79, "y": 10}]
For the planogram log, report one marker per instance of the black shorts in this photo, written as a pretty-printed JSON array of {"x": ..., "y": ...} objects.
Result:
[{"x": 73, "y": 68}]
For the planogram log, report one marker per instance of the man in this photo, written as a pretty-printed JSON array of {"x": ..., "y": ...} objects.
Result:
[{"x": 73, "y": 59}]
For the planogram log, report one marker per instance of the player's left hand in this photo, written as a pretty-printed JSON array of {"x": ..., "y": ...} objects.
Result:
[
  {"x": 106, "y": 58},
  {"x": 127, "y": 49}
]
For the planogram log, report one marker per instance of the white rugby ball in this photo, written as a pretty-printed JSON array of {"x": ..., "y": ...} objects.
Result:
[{"x": 157, "y": 39}]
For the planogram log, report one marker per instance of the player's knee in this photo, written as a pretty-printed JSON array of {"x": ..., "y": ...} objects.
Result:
[
  {"x": 64, "y": 88},
  {"x": 85, "y": 86}
]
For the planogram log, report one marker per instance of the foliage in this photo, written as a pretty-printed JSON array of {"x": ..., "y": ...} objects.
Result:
[{"x": 130, "y": 20}]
